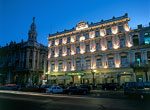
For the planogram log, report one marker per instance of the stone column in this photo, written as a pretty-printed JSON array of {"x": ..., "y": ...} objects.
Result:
[
  {"x": 40, "y": 62},
  {"x": 27, "y": 58},
  {"x": 104, "y": 61},
  {"x": 23, "y": 59},
  {"x": 20, "y": 59},
  {"x": 117, "y": 60},
  {"x": 131, "y": 57},
  {"x": 33, "y": 60},
  {"x": 119, "y": 79},
  {"x": 144, "y": 57},
  {"x": 49, "y": 66},
  {"x": 38, "y": 56},
  {"x": 133, "y": 77},
  {"x": 45, "y": 66},
  {"x": 82, "y": 62}
]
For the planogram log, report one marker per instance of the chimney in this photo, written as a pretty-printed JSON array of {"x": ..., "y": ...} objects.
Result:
[{"x": 139, "y": 26}]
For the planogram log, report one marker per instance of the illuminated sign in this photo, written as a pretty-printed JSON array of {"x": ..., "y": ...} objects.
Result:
[
  {"x": 81, "y": 25},
  {"x": 70, "y": 74}
]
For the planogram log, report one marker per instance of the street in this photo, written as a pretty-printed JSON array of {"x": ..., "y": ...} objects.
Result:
[{"x": 35, "y": 101}]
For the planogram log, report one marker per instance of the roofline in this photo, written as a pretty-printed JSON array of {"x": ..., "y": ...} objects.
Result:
[{"x": 91, "y": 26}]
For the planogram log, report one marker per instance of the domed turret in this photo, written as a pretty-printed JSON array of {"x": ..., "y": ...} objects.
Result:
[{"x": 32, "y": 34}]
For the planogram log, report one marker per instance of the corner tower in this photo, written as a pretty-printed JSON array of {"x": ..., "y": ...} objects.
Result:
[{"x": 32, "y": 34}]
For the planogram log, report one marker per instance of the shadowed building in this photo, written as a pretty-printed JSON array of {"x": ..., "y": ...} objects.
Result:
[
  {"x": 106, "y": 51},
  {"x": 24, "y": 62}
]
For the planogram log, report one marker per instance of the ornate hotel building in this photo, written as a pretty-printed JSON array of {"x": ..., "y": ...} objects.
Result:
[{"x": 106, "y": 51}]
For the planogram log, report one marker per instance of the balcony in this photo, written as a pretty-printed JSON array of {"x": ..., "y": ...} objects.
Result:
[{"x": 141, "y": 64}]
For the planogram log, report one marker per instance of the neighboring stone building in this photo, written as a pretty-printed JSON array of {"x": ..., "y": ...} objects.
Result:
[
  {"x": 24, "y": 62},
  {"x": 108, "y": 50}
]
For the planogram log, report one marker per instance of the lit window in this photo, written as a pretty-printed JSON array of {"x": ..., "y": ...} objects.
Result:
[
  {"x": 57, "y": 42},
  {"x": 102, "y": 32},
  {"x": 73, "y": 38},
  {"x": 82, "y": 38},
  {"x": 147, "y": 38},
  {"x": 114, "y": 30},
  {"x": 126, "y": 28},
  {"x": 92, "y": 34}
]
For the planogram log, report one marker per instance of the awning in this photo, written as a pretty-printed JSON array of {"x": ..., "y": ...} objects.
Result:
[
  {"x": 51, "y": 77},
  {"x": 63, "y": 77}
]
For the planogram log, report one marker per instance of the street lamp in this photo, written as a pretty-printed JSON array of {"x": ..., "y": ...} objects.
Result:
[{"x": 93, "y": 71}]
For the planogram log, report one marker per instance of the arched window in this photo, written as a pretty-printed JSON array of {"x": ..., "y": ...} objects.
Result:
[
  {"x": 147, "y": 38},
  {"x": 138, "y": 58},
  {"x": 135, "y": 40}
]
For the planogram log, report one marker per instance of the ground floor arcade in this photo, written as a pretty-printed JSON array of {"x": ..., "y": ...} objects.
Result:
[
  {"x": 25, "y": 77},
  {"x": 102, "y": 76}
]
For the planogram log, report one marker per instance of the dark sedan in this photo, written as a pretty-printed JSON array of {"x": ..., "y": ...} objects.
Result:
[
  {"x": 110, "y": 86},
  {"x": 76, "y": 90}
]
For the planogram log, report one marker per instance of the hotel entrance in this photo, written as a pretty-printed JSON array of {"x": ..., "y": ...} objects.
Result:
[{"x": 77, "y": 78}]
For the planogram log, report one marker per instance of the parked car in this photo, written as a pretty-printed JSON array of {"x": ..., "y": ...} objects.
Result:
[
  {"x": 110, "y": 86},
  {"x": 76, "y": 90},
  {"x": 54, "y": 89},
  {"x": 11, "y": 87},
  {"x": 43, "y": 88},
  {"x": 138, "y": 89},
  {"x": 85, "y": 86}
]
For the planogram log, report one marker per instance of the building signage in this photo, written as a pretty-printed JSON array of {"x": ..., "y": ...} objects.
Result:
[
  {"x": 82, "y": 25},
  {"x": 71, "y": 74}
]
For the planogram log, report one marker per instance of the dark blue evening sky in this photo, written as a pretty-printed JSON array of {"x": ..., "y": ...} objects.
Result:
[{"x": 57, "y": 15}]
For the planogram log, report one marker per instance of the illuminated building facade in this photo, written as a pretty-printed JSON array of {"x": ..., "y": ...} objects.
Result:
[{"x": 110, "y": 48}]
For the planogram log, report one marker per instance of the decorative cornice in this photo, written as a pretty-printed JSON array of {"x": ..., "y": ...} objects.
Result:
[{"x": 93, "y": 27}]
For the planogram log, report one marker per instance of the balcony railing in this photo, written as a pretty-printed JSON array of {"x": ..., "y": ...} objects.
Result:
[{"x": 141, "y": 64}]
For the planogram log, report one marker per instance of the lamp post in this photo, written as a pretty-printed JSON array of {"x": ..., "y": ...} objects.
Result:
[{"x": 93, "y": 71}]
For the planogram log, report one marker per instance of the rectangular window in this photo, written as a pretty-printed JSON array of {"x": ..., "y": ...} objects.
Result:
[
  {"x": 97, "y": 46},
  {"x": 87, "y": 48},
  {"x": 120, "y": 29},
  {"x": 53, "y": 53},
  {"x": 124, "y": 61},
  {"x": 99, "y": 63},
  {"x": 108, "y": 31},
  {"x": 138, "y": 58},
  {"x": 60, "y": 52},
  {"x": 88, "y": 64},
  {"x": 122, "y": 43},
  {"x": 60, "y": 66},
  {"x": 97, "y": 34},
  {"x": 78, "y": 38},
  {"x": 87, "y": 35},
  {"x": 109, "y": 44},
  {"x": 60, "y": 41},
  {"x": 53, "y": 42},
  {"x": 52, "y": 67},
  {"x": 69, "y": 66},
  {"x": 78, "y": 65},
  {"x": 111, "y": 62},
  {"x": 78, "y": 49},
  {"x": 68, "y": 39},
  {"x": 68, "y": 51}
]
